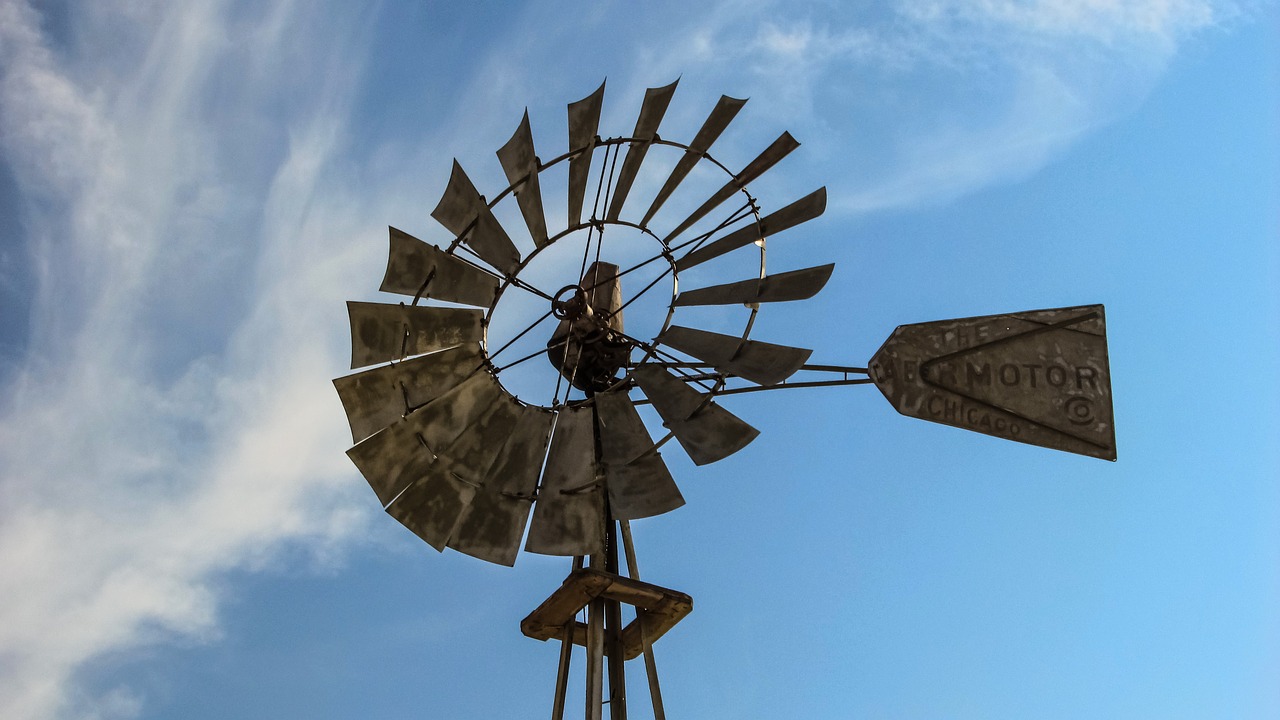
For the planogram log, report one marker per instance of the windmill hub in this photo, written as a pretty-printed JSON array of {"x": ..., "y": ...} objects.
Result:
[{"x": 588, "y": 346}]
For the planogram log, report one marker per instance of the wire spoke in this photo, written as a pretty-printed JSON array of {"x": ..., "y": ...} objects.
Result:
[{"x": 521, "y": 334}]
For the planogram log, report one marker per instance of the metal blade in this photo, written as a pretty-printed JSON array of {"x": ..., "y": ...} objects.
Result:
[
  {"x": 655, "y": 105},
  {"x": 716, "y": 122},
  {"x": 463, "y": 429},
  {"x": 493, "y": 524},
  {"x": 376, "y": 398},
  {"x": 706, "y": 431},
  {"x": 417, "y": 269},
  {"x": 795, "y": 285},
  {"x": 639, "y": 483},
  {"x": 432, "y": 506},
  {"x": 464, "y": 212},
  {"x": 806, "y": 208},
  {"x": 520, "y": 163},
  {"x": 584, "y": 122},
  {"x": 381, "y": 332},
  {"x": 760, "y": 362},
  {"x": 406, "y": 450},
  {"x": 568, "y": 518},
  {"x": 391, "y": 459},
  {"x": 754, "y": 169}
]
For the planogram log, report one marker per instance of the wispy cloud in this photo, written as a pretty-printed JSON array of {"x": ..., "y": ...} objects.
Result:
[{"x": 166, "y": 423}]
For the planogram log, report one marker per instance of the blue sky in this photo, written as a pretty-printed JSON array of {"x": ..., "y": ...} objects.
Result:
[{"x": 189, "y": 193}]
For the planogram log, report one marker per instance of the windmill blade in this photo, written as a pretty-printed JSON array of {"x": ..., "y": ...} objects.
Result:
[
  {"x": 417, "y": 269},
  {"x": 783, "y": 287},
  {"x": 382, "y": 332},
  {"x": 716, "y": 122},
  {"x": 407, "y": 450},
  {"x": 433, "y": 507},
  {"x": 568, "y": 518},
  {"x": 584, "y": 123},
  {"x": 493, "y": 524},
  {"x": 760, "y": 362},
  {"x": 376, "y": 398},
  {"x": 520, "y": 163},
  {"x": 639, "y": 483},
  {"x": 464, "y": 212},
  {"x": 655, "y": 105},
  {"x": 706, "y": 431},
  {"x": 803, "y": 210},
  {"x": 391, "y": 459},
  {"x": 754, "y": 169}
]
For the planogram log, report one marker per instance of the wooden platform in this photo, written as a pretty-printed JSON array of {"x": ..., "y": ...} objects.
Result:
[{"x": 657, "y": 609}]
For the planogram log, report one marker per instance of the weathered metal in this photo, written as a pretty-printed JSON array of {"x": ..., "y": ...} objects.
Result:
[
  {"x": 706, "y": 431},
  {"x": 1039, "y": 377},
  {"x": 639, "y": 483},
  {"x": 721, "y": 115},
  {"x": 379, "y": 397},
  {"x": 568, "y": 518},
  {"x": 760, "y": 362},
  {"x": 386, "y": 333},
  {"x": 520, "y": 163},
  {"x": 584, "y": 123},
  {"x": 654, "y": 107},
  {"x": 464, "y": 212},
  {"x": 588, "y": 347},
  {"x": 419, "y": 270},
  {"x": 783, "y": 287},
  {"x": 492, "y": 525},
  {"x": 803, "y": 210},
  {"x": 769, "y": 157}
]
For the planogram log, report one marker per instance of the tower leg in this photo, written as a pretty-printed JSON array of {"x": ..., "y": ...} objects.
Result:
[
  {"x": 613, "y": 625},
  {"x": 650, "y": 665}
]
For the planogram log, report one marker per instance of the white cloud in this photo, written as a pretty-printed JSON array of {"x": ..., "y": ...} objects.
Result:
[{"x": 135, "y": 469}]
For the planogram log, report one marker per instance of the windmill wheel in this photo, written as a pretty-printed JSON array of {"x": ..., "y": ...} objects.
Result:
[{"x": 460, "y": 452}]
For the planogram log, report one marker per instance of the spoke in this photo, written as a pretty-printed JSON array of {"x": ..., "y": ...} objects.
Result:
[
  {"x": 522, "y": 333},
  {"x": 531, "y": 356},
  {"x": 655, "y": 350},
  {"x": 737, "y": 215}
]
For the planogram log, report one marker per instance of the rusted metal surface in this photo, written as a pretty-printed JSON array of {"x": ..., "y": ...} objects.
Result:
[
  {"x": 760, "y": 362},
  {"x": 639, "y": 483},
  {"x": 382, "y": 333},
  {"x": 520, "y": 163},
  {"x": 463, "y": 211},
  {"x": 584, "y": 123},
  {"x": 1039, "y": 377},
  {"x": 783, "y": 287},
  {"x": 417, "y": 269},
  {"x": 658, "y": 608},
  {"x": 568, "y": 518},
  {"x": 803, "y": 210},
  {"x": 376, "y": 398},
  {"x": 779, "y": 149},
  {"x": 493, "y": 524},
  {"x": 654, "y": 107},
  {"x": 706, "y": 431},
  {"x": 721, "y": 115}
]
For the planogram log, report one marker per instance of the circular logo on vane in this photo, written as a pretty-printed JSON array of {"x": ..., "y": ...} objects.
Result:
[{"x": 1079, "y": 410}]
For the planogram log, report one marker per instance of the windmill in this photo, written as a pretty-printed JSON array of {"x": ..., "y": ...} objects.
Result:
[{"x": 467, "y": 458}]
